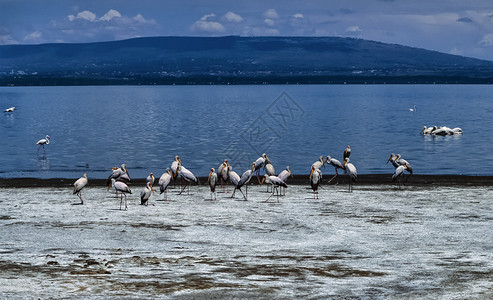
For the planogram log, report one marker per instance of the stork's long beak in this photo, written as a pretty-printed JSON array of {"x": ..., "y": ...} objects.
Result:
[
  {"x": 262, "y": 182},
  {"x": 210, "y": 173},
  {"x": 291, "y": 173},
  {"x": 388, "y": 159},
  {"x": 150, "y": 186},
  {"x": 126, "y": 171},
  {"x": 253, "y": 167},
  {"x": 311, "y": 173}
]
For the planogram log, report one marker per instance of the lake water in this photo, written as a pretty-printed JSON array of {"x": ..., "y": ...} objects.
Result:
[{"x": 97, "y": 127}]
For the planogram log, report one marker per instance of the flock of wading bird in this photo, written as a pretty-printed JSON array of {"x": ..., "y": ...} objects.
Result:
[{"x": 225, "y": 174}]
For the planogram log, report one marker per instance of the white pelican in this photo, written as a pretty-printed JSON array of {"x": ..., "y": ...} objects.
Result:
[
  {"x": 79, "y": 185},
  {"x": 284, "y": 175},
  {"x": 123, "y": 189},
  {"x": 319, "y": 163},
  {"x": 336, "y": 164},
  {"x": 212, "y": 183},
  {"x": 244, "y": 180},
  {"x": 351, "y": 171},
  {"x": 443, "y": 130},
  {"x": 188, "y": 176},
  {"x": 413, "y": 109},
  {"x": 151, "y": 179},
  {"x": 259, "y": 163},
  {"x": 428, "y": 130},
  {"x": 347, "y": 152},
  {"x": 43, "y": 142},
  {"x": 119, "y": 174},
  {"x": 275, "y": 182},
  {"x": 164, "y": 181},
  {"x": 315, "y": 178},
  {"x": 175, "y": 166},
  {"x": 146, "y": 194},
  {"x": 10, "y": 109},
  {"x": 457, "y": 130}
]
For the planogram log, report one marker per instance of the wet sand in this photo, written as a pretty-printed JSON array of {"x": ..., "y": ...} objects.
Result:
[
  {"x": 363, "y": 179},
  {"x": 379, "y": 242}
]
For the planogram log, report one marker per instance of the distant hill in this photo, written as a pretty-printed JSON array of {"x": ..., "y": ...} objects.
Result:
[{"x": 234, "y": 60}]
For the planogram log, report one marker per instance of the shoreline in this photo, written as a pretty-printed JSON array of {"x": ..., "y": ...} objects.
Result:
[{"x": 363, "y": 179}]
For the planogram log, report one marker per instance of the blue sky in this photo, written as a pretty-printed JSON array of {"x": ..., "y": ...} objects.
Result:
[{"x": 453, "y": 26}]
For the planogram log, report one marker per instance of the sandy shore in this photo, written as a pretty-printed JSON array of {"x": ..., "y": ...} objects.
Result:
[{"x": 364, "y": 179}]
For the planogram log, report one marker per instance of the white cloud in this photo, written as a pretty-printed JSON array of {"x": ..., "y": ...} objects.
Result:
[
  {"x": 232, "y": 17},
  {"x": 298, "y": 16},
  {"x": 85, "y": 15},
  {"x": 207, "y": 17},
  {"x": 140, "y": 19},
  {"x": 271, "y": 14},
  {"x": 487, "y": 40},
  {"x": 205, "y": 24},
  {"x": 269, "y": 22},
  {"x": 110, "y": 15},
  {"x": 34, "y": 37},
  {"x": 353, "y": 30}
]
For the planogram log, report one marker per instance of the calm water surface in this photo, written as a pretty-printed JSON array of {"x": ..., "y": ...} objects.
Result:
[{"x": 95, "y": 128}]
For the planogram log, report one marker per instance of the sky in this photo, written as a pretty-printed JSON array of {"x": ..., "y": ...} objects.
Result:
[{"x": 454, "y": 26}]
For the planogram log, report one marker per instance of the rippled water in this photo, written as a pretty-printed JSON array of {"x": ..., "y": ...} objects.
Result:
[
  {"x": 95, "y": 128},
  {"x": 377, "y": 242}
]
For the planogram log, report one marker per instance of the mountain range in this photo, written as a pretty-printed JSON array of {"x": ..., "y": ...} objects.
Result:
[{"x": 234, "y": 60}]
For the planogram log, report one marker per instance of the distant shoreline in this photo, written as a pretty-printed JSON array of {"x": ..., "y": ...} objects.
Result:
[
  {"x": 364, "y": 179},
  {"x": 274, "y": 80}
]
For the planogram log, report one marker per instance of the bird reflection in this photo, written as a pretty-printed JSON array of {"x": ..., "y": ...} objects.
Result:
[{"x": 43, "y": 162}]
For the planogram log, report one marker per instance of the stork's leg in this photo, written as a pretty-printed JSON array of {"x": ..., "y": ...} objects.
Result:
[
  {"x": 233, "y": 195},
  {"x": 243, "y": 194},
  {"x": 270, "y": 196},
  {"x": 121, "y": 201},
  {"x": 126, "y": 208},
  {"x": 80, "y": 197},
  {"x": 184, "y": 187}
]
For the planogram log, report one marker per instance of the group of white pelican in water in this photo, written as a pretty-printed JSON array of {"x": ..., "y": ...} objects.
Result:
[
  {"x": 225, "y": 174},
  {"x": 442, "y": 130}
]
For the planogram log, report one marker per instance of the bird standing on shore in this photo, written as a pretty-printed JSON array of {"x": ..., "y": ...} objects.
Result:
[
  {"x": 347, "y": 153},
  {"x": 146, "y": 194},
  {"x": 79, "y": 185},
  {"x": 259, "y": 163},
  {"x": 315, "y": 176},
  {"x": 244, "y": 180},
  {"x": 284, "y": 175},
  {"x": 188, "y": 176},
  {"x": 350, "y": 169},
  {"x": 164, "y": 181},
  {"x": 276, "y": 182},
  {"x": 151, "y": 179},
  {"x": 212, "y": 183},
  {"x": 175, "y": 166},
  {"x": 43, "y": 142},
  {"x": 123, "y": 189},
  {"x": 319, "y": 163},
  {"x": 119, "y": 174},
  {"x": 336, "y": 164}
]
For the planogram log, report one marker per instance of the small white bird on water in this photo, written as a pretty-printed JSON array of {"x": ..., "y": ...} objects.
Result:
[
  {"x": 413, "y": 109},
  {"x": 79, "y": 185},
  {"x": 10, "y": 109},
  {"x": 43, "y": 142}
]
